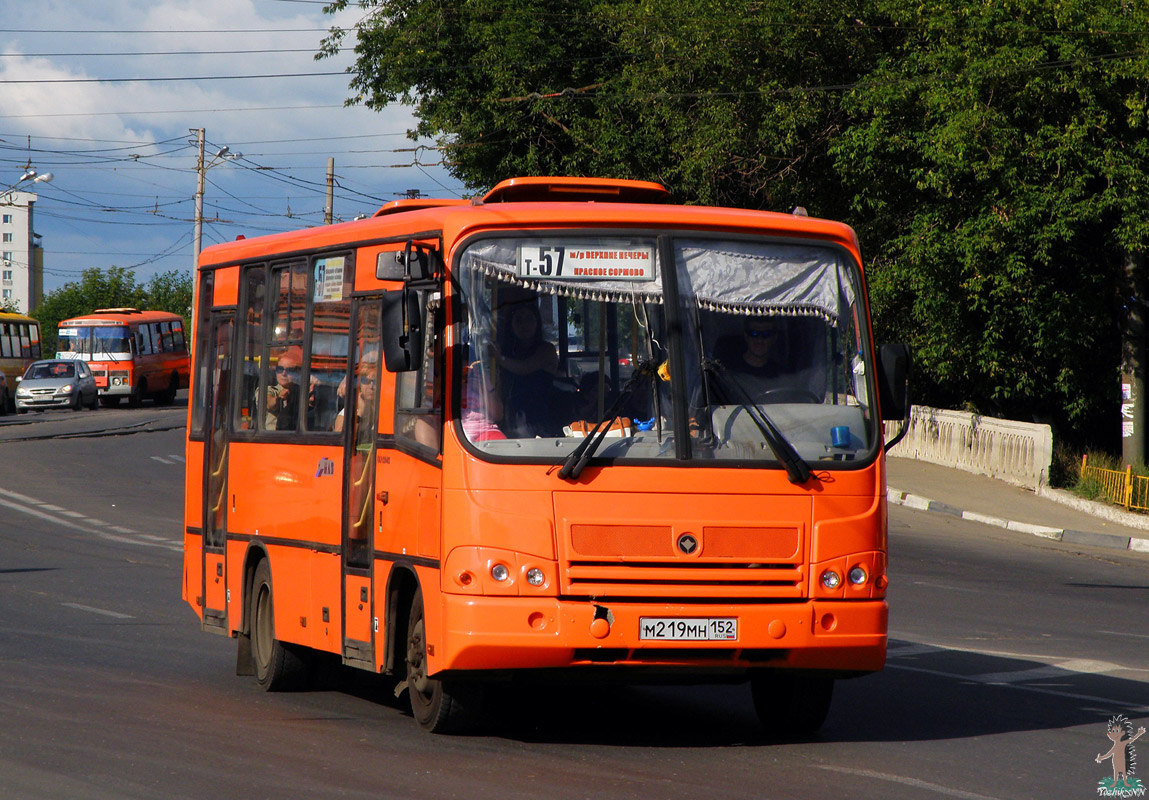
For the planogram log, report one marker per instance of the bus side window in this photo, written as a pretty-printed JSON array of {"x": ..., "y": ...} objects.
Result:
[
  {"x": 329, "y": 337},
  {"x": 179, "y": 344},
  {"x": 419, "y": 398}
]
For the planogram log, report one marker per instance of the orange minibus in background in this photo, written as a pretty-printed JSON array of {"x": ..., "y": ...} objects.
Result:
[
  {"x": 567, "y": 429},
  {"x": 19, "y": 347},
  {"x": 133, "y": 354}
]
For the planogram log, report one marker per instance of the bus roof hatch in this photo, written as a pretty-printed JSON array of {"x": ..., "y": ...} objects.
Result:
[{"x": 602, "y": 190}]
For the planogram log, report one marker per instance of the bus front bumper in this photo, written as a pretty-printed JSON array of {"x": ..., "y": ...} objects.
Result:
[{"x": 501, "y": 633}]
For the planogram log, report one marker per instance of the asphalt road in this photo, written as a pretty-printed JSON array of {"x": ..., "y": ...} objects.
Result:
[{"x": 1008, "y": 655}]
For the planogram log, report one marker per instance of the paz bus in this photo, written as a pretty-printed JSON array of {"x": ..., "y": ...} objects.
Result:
[
  {"x": 133, "y": 354},
  {"x": 19, "y": 347},
  {"x": 567, "y": 429}
]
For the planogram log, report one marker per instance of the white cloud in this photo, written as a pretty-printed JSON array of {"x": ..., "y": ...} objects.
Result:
[{"x": 79, "y": 129}]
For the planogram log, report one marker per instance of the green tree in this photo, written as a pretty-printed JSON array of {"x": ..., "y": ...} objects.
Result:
[
  {"x": 170, "y": 291},
  {"x": 996, "y": 159},
  {"x": 114, "y": 288},
  {"x": 992, "y": 155}
]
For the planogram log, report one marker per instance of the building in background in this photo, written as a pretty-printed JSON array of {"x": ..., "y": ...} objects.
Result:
[{"x": 21, "y": 256}]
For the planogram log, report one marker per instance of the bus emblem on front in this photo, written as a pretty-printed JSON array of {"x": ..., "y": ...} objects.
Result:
[{"x": 326, "y": 467}]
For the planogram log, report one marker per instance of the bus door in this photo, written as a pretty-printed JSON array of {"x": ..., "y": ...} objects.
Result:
[
  {"x": 218, "y": 390},
  {"x": 361, "y": 413}
]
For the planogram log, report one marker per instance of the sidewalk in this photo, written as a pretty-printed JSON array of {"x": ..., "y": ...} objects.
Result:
[{"x": 1052, "y": 514}]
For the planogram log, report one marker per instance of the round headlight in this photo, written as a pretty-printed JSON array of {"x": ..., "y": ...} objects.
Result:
[
  {"x": 831, "y": 579},
  {"x": 857, "y": 576},
  {"x": 535, "y": 576},
  {"x": 500, "y": 572}
]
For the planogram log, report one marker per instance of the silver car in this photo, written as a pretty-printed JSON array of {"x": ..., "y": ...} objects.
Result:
[{"x": 56, "y": 383}]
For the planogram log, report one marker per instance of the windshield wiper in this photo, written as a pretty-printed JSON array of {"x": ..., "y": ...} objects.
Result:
[
  {"x": 573, "y": 464},
  {"x": 797, "y": 470}
]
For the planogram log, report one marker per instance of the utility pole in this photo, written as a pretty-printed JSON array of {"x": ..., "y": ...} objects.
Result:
[
  {"x": 1133, "y": 399},
  {"x": 198, "y": 236},
  {"x": 329, "y": 206}
]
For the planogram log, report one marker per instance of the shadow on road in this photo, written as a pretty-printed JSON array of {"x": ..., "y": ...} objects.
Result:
[{"x": 924, "y": 694}]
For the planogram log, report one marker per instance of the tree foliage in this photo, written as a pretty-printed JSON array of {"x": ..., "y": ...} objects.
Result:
[
  {"x": 991, "y": 154},
  {"x": 115, "y": 287}
]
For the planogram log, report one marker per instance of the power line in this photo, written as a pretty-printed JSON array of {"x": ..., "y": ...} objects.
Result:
[{"x": 151, "y": 79}]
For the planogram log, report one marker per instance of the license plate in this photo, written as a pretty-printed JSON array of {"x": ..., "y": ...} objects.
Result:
[{"x": 688, "y": 629}]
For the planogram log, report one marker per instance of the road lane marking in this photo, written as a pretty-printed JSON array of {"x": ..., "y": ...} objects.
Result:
[
  {"x": 161, "y": 459},
  {"x": 1105, "y": 702},
  {"x": 1081, "y": 666},
  {"x": 35, "y": 508},
  {"x": 905, "y": 781},
  {"x": 105, "y": 612}
]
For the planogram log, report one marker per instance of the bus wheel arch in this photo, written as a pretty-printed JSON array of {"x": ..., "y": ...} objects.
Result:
[
  {"x": 277, "y": 665},
  {"x": 438, "y": 704}
]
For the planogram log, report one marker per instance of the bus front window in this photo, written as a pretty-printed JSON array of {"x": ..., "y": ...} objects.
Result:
[
  {"x": 115, "y": 341},
  {"x": 566, "y": 333}
]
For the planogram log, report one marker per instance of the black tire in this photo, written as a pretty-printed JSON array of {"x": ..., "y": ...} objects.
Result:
[
  {"x": 95, "y": 401},
  {"x": 278, "y": 667},
  {"x": 77, "y": 400},
  {"x": 4, "y": 401},
  {"x": 439, "y": 706},
  {"x": 791, "y": 704},
  {"x": 139, "y": 391},
  {"x": 168, "y": 395}
]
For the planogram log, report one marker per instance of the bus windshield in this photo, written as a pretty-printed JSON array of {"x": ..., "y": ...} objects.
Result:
[
  {"x": 565, "y": 332},
  {"x": 96, "y": 340}
]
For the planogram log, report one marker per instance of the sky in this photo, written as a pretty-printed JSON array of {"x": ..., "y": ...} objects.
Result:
[{"x": 106, "y": 95}]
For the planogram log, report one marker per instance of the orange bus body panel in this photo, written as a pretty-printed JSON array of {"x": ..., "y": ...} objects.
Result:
[{"x": 440, "y": 522}]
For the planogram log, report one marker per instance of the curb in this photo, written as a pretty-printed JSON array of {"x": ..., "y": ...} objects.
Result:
[{"x": 1110, "y": 541}]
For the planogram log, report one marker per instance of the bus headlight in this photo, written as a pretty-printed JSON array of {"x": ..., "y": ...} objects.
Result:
[
  {"x": 535, "y": 576},
  {"x": 500, "y": 572},
  {"x": 857, "y": 576},
  {"x": 831, "y": 580}
]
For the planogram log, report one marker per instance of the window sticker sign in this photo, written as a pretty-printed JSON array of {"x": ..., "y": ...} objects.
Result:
[
  {"x": 329, "y": 279},
  {"x": 586, "y": 262}
]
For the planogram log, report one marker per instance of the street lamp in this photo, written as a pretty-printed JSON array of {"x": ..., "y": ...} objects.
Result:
[
  {"x": 223, "y": 154},
  {"x": 30, "y": 176}
]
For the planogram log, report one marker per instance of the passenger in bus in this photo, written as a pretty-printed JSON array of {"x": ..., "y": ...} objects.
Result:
[
  {"x": 527, "y": 363},
  {"x": 283, "y": 394},
  {"x": 365, "y": 397},
  {"x": 482, "y": 409}
]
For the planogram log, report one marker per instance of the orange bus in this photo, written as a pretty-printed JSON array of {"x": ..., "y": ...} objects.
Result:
[
  {"x": 133, "y": 354},
  {"x": 566, "y": 429},
  {"x": 19, "y": 347}
]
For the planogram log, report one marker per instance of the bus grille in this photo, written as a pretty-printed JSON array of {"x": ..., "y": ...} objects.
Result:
[{"x": 648, "y": 561}]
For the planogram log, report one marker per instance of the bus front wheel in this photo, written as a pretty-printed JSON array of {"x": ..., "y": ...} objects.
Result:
[
  {"x": 439, "y": 706},
  {"x": 278, "y": 666},
  {"x": 791, "y": 704}
]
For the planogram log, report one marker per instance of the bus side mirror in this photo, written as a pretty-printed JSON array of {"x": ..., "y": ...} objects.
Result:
[
  {"x": 402, "y": 331},
  {"x": 894, "y": 366},
  {"x": 414, "y": 263}
]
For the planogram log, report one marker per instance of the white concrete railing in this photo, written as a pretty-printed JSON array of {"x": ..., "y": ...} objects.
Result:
[{"x": 1017, "y": 452}]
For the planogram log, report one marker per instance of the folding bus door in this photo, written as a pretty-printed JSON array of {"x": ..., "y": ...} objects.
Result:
[
  {"x": 361, "y": 422},
  {"x": 218, "y": 391}
]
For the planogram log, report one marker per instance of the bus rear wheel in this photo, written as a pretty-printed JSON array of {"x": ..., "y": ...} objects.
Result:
[
  {"x": 439, "y": 706},
  {"x": 278, "y": 666},
  {"x": 791, "y": 704}
]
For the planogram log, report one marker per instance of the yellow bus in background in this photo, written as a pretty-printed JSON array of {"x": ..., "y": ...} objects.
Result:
[{"x": 19, "y": 347}]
